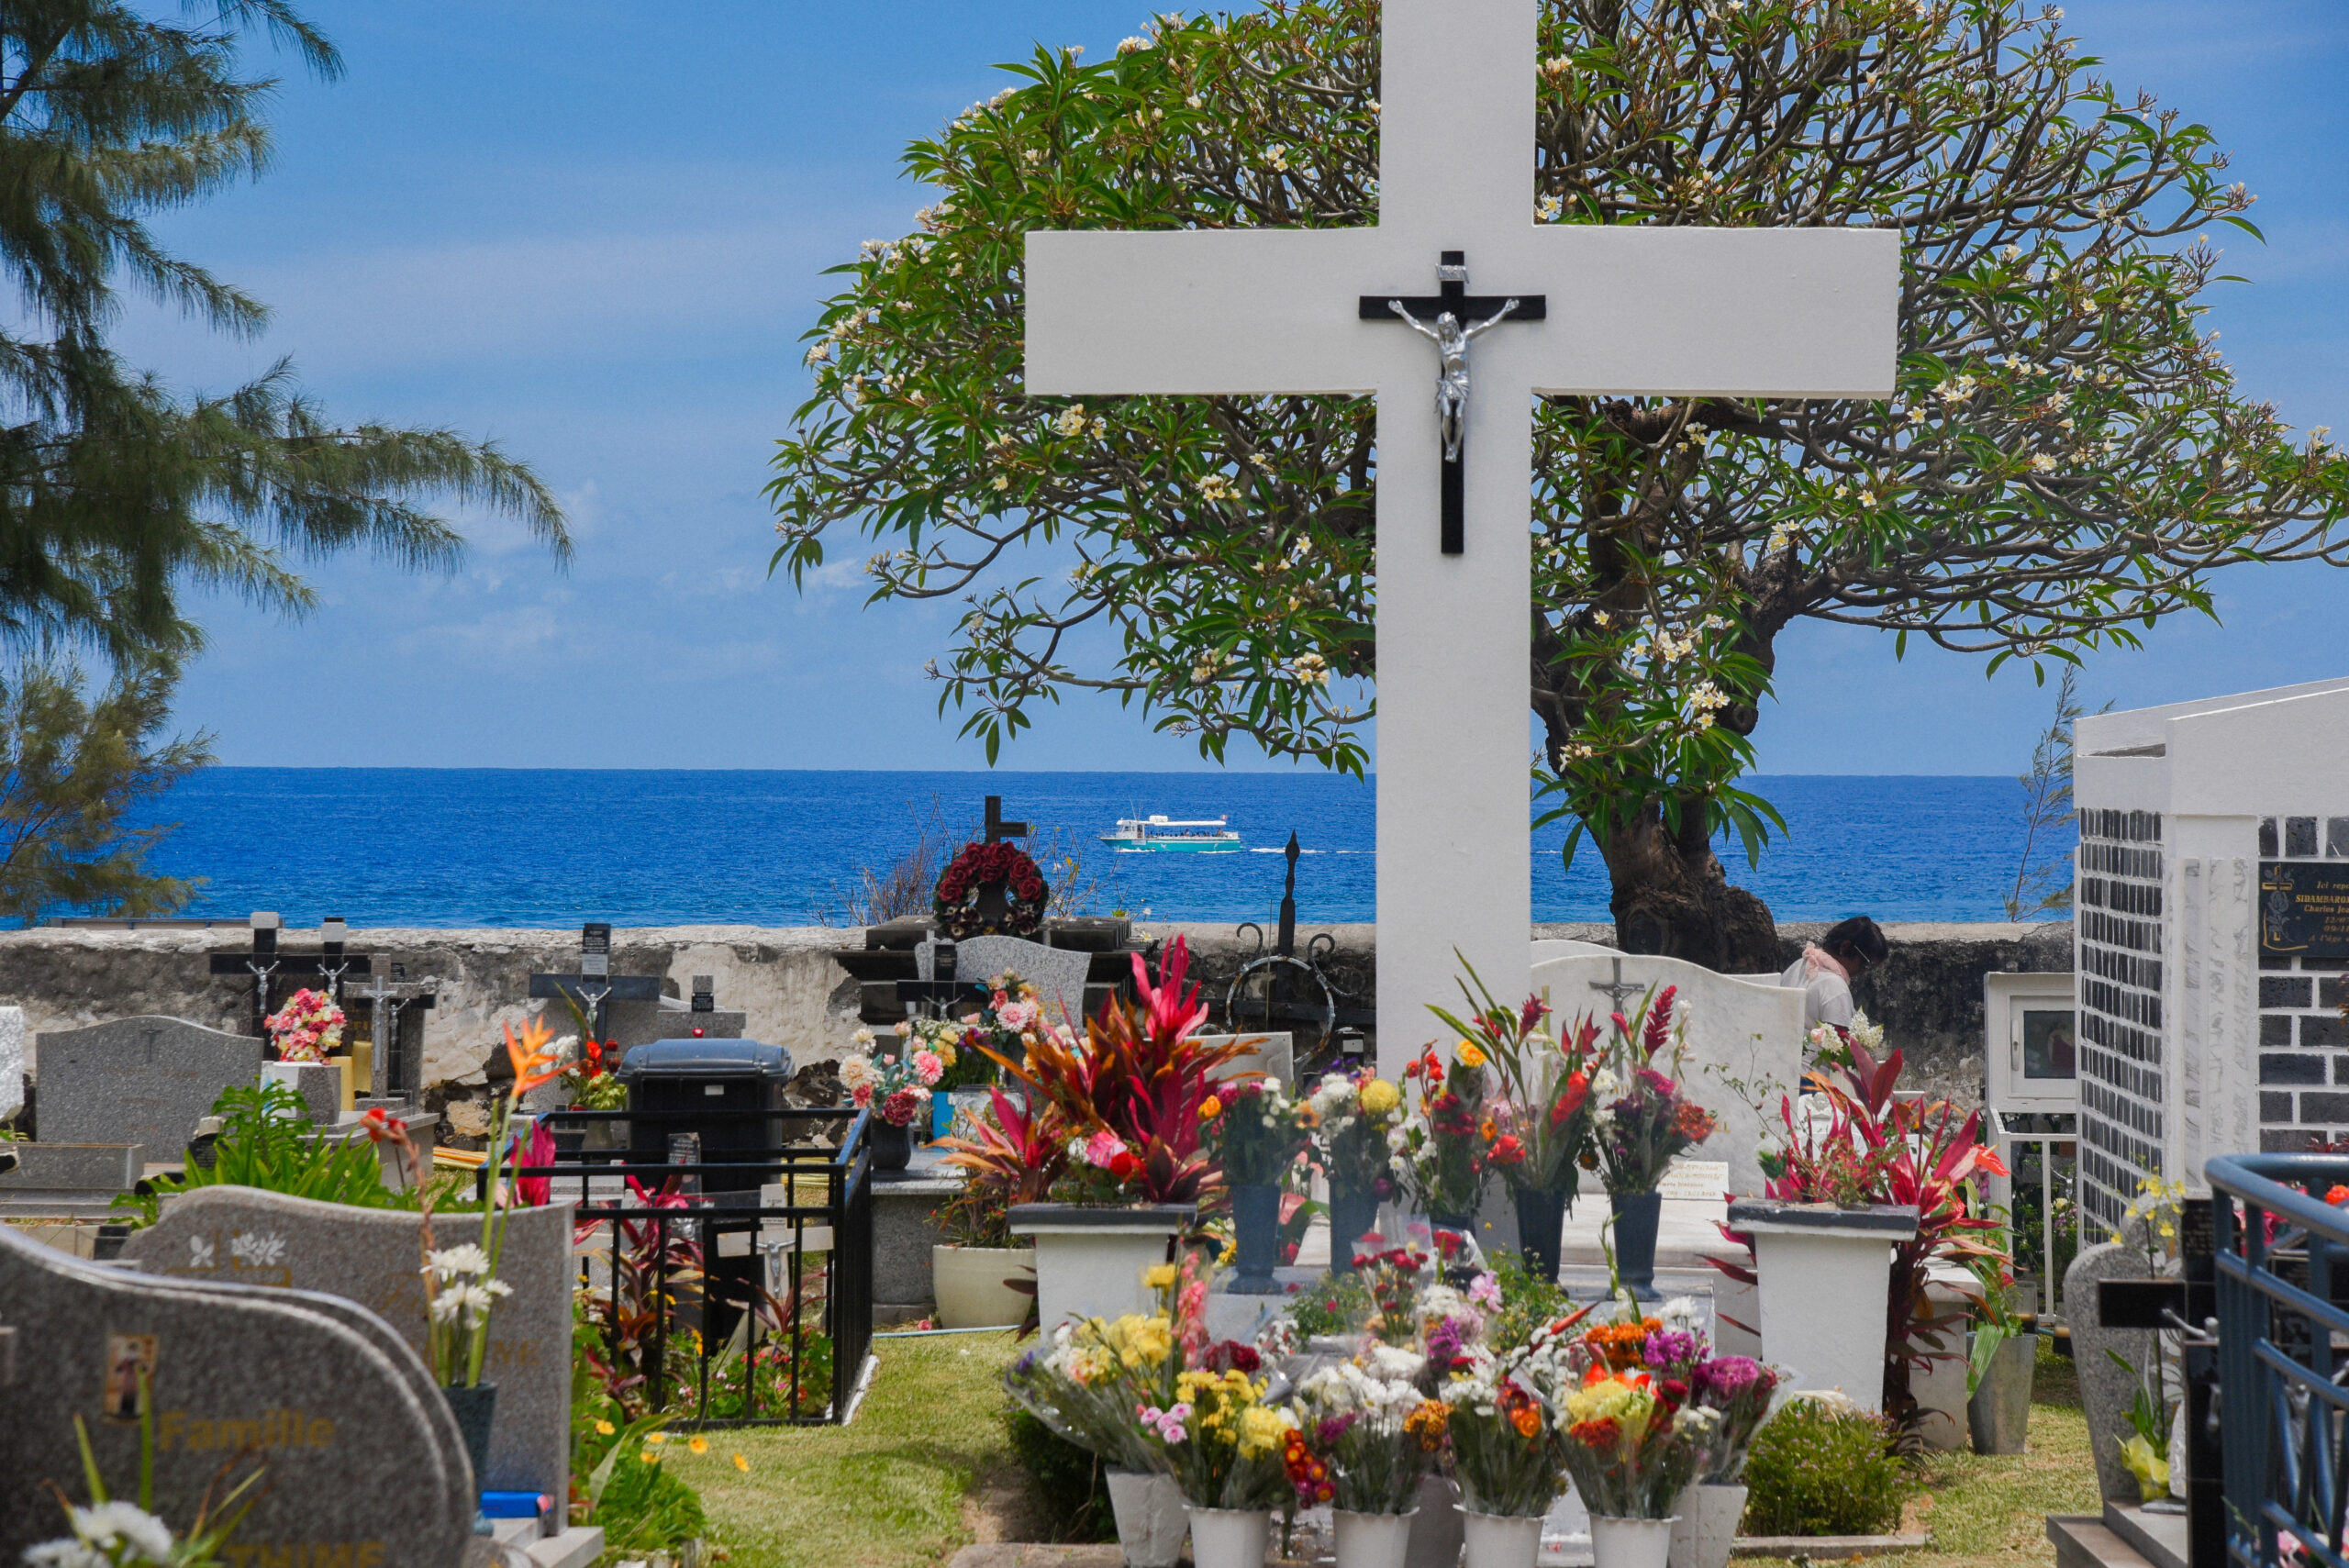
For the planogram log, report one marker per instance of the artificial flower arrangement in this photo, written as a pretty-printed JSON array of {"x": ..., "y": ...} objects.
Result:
[
  {"x": 1645, "y": 1117},
  {"x": 955, "y": 903},
  {"x": 307, "y": 1028},
  {"x": 1538, "y": 1126},
  {"x": 1255, "y": 1132},
  {"x": 896, "y": 1088},
  {"x": 1373, "y": 1428},
  {"x": 1009, "y": 1020},
  {"x": 1440, "y": 1151}
]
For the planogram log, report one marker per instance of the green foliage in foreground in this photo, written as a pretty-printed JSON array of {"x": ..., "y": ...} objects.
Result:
[
  {"x": 1068, "y": 1482},
  {"x": 267, "y": 1140},
  {"x": 1818, "y": 1471}
]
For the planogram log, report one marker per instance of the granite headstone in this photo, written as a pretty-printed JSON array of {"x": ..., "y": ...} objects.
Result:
[
  {"x": 12, "y": 1062},
  {"x": 365, "y": 1467},
  {"x": 140, "y": 1080},
  {"x": 2108, "y": 1390},
  {"x": 373, "y": 1257}
]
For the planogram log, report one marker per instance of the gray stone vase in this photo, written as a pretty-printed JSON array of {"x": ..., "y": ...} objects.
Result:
[
  {"x": 475, "y": 1408},
  {"x": 1998, "y": 1414}
]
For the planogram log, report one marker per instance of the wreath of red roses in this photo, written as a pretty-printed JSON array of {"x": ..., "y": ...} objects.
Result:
[{"x": 985, "y": 865}]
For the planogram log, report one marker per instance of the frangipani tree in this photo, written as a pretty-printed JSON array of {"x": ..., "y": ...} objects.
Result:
[{"x": 2067, "y": 459}]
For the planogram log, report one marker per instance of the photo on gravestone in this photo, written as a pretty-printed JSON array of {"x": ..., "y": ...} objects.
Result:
[
  {"x": 371, "y": 1256},
  {"x": 143, "y": 1080},
  {"x": 360, "y": 1461}
]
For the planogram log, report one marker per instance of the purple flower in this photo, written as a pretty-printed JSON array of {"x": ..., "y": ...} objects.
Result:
[
  {"x": 1672, "y": 1348},
  {"x": 1726, "y": 1378}
]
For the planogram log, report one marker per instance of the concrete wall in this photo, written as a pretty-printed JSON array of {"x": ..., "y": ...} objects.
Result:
[{"x": 1929, "y": 997}]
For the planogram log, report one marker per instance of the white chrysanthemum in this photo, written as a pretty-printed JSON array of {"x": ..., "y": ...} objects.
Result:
[
  {"x": 67, "y": 1552},
  {"x": 450, "y": 1262},
  {"x": 857, "y": 1072},
  {"x": 102, "y": 1524}
]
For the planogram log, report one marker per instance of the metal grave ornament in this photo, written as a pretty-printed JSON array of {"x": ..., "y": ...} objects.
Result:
[{"x": 1452, "y": 320}]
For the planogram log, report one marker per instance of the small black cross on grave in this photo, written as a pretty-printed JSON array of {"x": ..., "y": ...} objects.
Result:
[
  {"x": 998, "y": 828},
  {"x": 265, "y": 963},
  {"x": 1453, "y": 319},
  {"x": 595, "y": 987},
  {"x": 1620, "y": 990}
]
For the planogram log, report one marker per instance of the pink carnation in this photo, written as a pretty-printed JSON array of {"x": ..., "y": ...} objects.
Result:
[
  {"x": 862, "y": 1095},
  {"x": 927, "y": 1067},
  {"x": 1018, "y": 1016},
  {"x": 1101, "y": 1148}
]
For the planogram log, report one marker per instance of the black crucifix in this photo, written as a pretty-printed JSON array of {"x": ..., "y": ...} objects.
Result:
[
  {"x": 264, "y": 963},
  {"x": 595, "y": 987},
  {"x": 1452, "y": 320},
  {"x": 998, "y": 828}
]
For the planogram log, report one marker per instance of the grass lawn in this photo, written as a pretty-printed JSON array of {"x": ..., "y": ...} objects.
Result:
[
  {"x": 887, "y": 1491},
  {"x": 905, "y": 1484}
]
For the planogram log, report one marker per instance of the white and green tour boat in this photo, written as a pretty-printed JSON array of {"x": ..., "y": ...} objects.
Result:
[{"x": 1158, "y": 832}]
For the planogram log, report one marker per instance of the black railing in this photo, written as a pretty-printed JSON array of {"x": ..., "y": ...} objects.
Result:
[
  {"x": 2279, "y": 1249},
  {"x": 736, "y": 1291}
]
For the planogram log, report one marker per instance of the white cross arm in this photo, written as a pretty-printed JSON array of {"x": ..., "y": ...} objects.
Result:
[
  {"x": 1720, "y": 312},
  {"x": 1203, "y": 312}
]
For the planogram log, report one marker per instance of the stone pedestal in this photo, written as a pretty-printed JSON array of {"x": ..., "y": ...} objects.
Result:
[
  {"x": 1825, "y": 1273},
  {"x": 906, "y": 1226},
  {"x": 319, "y": 1083},
  {"x": 1089, "y": 1262}
]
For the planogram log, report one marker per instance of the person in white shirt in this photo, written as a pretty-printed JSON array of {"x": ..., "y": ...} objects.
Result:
[{"x": 1827, "y": 968}]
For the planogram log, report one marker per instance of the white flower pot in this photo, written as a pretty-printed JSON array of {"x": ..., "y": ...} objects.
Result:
[
  {"x": 1501, "y": 1541},
  {"x": 1629, "y": 1543},
  {"x": 1230, "y": 1538},
  {"x": 1706, "y": 1524},
  {"x": 969, "y": 1284},
  {"x": 1090, "y": 1261},
  {"x": 1373, "y": 1541},
  {"x": 1151, "y": 1521},
  {"x": 1435, "y": 1526}
]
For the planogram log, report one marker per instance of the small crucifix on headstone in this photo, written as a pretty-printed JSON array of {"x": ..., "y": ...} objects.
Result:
[
  {"x": 595, "y": 987},
  {"x": 1620, "y": 990},
  {"x": 394, "y": 1070}
]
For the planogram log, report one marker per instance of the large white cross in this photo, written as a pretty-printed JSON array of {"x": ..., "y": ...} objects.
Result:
[{"x": 1746, "y": 312}]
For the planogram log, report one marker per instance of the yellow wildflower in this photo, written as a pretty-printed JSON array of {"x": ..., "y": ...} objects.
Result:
[
  {"x": 658, "y": 1438},
  {"x": 741, "y": 1464},
  {"x": 700, "y": 1444},
  {"x": 605, "y": 1429}
]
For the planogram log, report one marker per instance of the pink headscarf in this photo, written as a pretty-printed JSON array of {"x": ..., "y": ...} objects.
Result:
[{"x": 1817, "y": 959}]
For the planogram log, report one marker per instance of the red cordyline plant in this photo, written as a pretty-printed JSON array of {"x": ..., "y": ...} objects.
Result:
[
  {"x": 1138, "y": 1074},
  {"x": 1878, "y": 1149}
]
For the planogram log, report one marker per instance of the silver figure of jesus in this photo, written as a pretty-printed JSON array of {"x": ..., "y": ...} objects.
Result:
[{"x": 1451, "y": 340}]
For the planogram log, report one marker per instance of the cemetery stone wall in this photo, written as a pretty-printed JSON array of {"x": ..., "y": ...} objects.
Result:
[{"x": 790, "y": 993}]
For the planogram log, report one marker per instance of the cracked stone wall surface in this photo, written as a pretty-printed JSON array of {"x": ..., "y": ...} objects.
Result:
[{"x": 1929, "y": 996}]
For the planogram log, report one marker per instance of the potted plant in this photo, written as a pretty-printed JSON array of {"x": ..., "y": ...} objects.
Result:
[
  {"x": 1540, "y": 1128},
  {"x": 1352, "y": 1115},
  {"x": 1225, "y": 1444},
  {"x": 1125, "y": 1098},
  {"x": 2001, "y": 1355},
  {"x": 896, "y": 1090},
  {"x": 1090, "y": 1388},
  {"x": 1256, "y": 1134},
  {"x": 1440, "y": 1151},
  {"x": 981, "y": 1273},
  {"x": 1641, "y": 1122}
]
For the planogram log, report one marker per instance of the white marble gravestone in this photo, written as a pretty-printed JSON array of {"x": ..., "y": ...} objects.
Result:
[
  {"x": 1800, "y": 312},
  {"x": 142, "y": 1080},
  {"x": 365, "y": 1465},
  {"x": 2212, "y": 835},
  {"x": 244, "y": 1236},
  {"x": 12, "y": 1062},
  {"x": 1746, "y": 1044}
]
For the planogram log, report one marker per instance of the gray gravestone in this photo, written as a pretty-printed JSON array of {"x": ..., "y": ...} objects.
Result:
[
  {"x": 318, "y": 1085},
  {"x": 244, "y": 1236},
  {"x": 144, "y": 1080},
  {"x": 12, "y": 1062},
  {"x": 364, "y": 1463},
  {"x": 2106, "y": 1391}
]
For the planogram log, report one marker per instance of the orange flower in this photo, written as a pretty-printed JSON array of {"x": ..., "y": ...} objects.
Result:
[
  {"x": 1210, "y": 1108},
  {"x": 533, "y": 1061}
]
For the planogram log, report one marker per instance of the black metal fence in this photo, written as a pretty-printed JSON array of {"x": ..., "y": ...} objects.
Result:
[
  {"x": 736, "y": 1291},
  {"x": 2283, "y": 1354}
]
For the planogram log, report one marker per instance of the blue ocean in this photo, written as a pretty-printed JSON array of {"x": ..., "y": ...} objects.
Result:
[{"x": 550, "y": 848}]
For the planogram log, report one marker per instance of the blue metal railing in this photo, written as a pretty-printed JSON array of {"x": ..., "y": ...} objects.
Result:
[{"x": 2283, "y": 1405}]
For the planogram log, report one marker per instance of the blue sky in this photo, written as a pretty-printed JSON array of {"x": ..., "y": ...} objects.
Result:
[{"x": 593, "y": 231}]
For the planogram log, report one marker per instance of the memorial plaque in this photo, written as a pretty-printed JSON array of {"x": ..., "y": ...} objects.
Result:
[{"x": 2303, "y": 909}]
